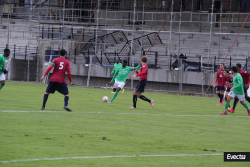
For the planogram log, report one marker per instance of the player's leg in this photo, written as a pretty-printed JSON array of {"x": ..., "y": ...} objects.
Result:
[
  {"x": 115, "y": 86},
  {"x": 222, "y": 89},
  {"x": 2, "y": 80},
  {"x": 66, "y": 101},
  {"x": 242, "y": 101},
  {"x": 235, "y": 104},
  {"x": 246, "y": 95},
  {"x": 2, "y": 83},
  {"x": 140, "y": 90},
  {"x": 63, "y": 89},
  {"x": 226, "y": 96},
  {"x": 135, "y": 92},
  {"x": 50, "y": 89},
  {"x": 116, "y": 94},
  {"x": 218, "y": 93},
  {"x": 45, "y": 98},
  {"x": 231, "y": 95},
  {"x": 134, "y": 99}
]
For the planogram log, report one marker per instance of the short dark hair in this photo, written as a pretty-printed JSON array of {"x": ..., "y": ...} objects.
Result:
[
  {"x": 227, "y": 71},
  {"x": 63, "y": 52},
  {"x": 125, "y": 61},
  {"x": 238, "y": 65},
  {"x": 234, "y": 69},
  {"x": 223, "y": 64},
  {"x": 144, "y": 59},
  {"x": 6, "y": 50}
]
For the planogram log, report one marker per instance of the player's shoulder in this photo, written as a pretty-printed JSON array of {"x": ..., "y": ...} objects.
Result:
[{"x": 144, "y": 66}]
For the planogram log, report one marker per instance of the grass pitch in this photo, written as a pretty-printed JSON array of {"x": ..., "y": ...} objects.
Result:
[{"x": 179, "y": 131}]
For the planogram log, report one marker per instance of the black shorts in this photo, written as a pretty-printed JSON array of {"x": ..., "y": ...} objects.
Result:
[
  {"x": 220, "y": 88},
  {"x": 228, "y": 89},
  {"x": 59, "y": 87},
  {"x": 141, "y": 85}
]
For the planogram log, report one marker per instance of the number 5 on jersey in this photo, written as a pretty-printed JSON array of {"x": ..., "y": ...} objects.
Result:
[{"x": 61, "y": 65}]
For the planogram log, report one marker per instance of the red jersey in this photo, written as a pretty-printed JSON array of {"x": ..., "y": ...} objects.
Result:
[
  {"x": 245, "y": 76},
  {"x": 229, "y": 79},
  {"x": 61, "y": 65},
  {"x": 144, "y": 67},
  {"x": 220, "y": 77}
]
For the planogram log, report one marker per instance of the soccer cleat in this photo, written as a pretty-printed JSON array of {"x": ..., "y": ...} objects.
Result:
[
  {"x": 230, "y": 110},
  {"x": 112, "y": 92},
  {"x": 67, "y": 109},
  {"x": 123, "y": 90},
  {"x": 224, "y": 112},
  {"x": 152, "y": 103},
  {"x": 222, "y": 100},
  {"x": 248, "y": 111},
  {"x": 110, "y": 101},
  {"x": 42, "y": 108},
  {"x": 131, "y": 108},
  {"x": 220, "y": 103}
]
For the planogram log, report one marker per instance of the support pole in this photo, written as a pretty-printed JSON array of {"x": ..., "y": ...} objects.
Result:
[
  {"x": 211, "y": 26},
  {"x": 132, "y": 43}
]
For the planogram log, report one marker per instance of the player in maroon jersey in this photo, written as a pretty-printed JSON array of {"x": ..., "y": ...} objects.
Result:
[
  {"x": 57, "y": 80},
  {"x": 142, "y": 83},
  {"x": 228, "y": 86},
  {"x": 245, "y": 75},
  {"x": 221, "y": 83}
]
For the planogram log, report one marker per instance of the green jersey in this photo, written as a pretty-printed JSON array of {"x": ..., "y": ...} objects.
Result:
[
  {"x": 2, "y": 63},
  {"x": 238, "y": 84},
  {"x": 122, "y": 73},
  {"x": 116, "y": 67}
]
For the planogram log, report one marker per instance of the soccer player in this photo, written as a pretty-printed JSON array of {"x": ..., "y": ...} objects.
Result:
[
  {"x": 245, "y": 75},
  {"x": 57, "y": 80},
  {"x": 117, "y": 65},
  {"x": 236, "y": 91},
  {"x": 3, "y": 71},
  {"x": 228, "y": 81},
  {"x": 120, "y": 78},
  {"x": 221, "y": 83},
  {"x": 141, "y": 84}
]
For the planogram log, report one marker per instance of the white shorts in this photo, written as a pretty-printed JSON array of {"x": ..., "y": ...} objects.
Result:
[
  {"x": 2, "y": 77},
  {"x": 119, "y": 84},
  {"x": 240, "y": 97}
]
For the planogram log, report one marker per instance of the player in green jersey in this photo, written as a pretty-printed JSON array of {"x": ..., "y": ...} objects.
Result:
[
  {"x": 117, "y": 65},
  {"x": 120, "y": 77},
  {"x": 236, "y": 91},
  {"x": 3, "y": 71}
]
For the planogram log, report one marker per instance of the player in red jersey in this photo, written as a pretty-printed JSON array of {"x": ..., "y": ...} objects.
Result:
[
  {"x": 245, "y": 75},
  {"x": 142, "y": 83},
  {"x": 221, "y": 83},
  {"x": 228, "y": 86},
  {"x": 57, "y": 80}
]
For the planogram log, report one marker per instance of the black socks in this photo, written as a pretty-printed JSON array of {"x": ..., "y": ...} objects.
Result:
[
  {"x": 134, "y": 100},
  {"x": 235, "y": 102},
  {"x": 45, "y": 98},
  {"x": 66, "y": 101},
  {"x": 144, "y": 98}
]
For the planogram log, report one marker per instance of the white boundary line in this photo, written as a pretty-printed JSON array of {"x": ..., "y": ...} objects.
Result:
[
  {"x": 168, "y": 115},
  {"x": 111, "y": 156}
]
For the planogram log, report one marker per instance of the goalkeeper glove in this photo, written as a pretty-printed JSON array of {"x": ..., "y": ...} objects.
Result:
[{"x": 5, "y": 71}]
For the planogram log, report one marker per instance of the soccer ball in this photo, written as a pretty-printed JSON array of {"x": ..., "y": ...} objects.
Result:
[{"x": 105, "y": 99}]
